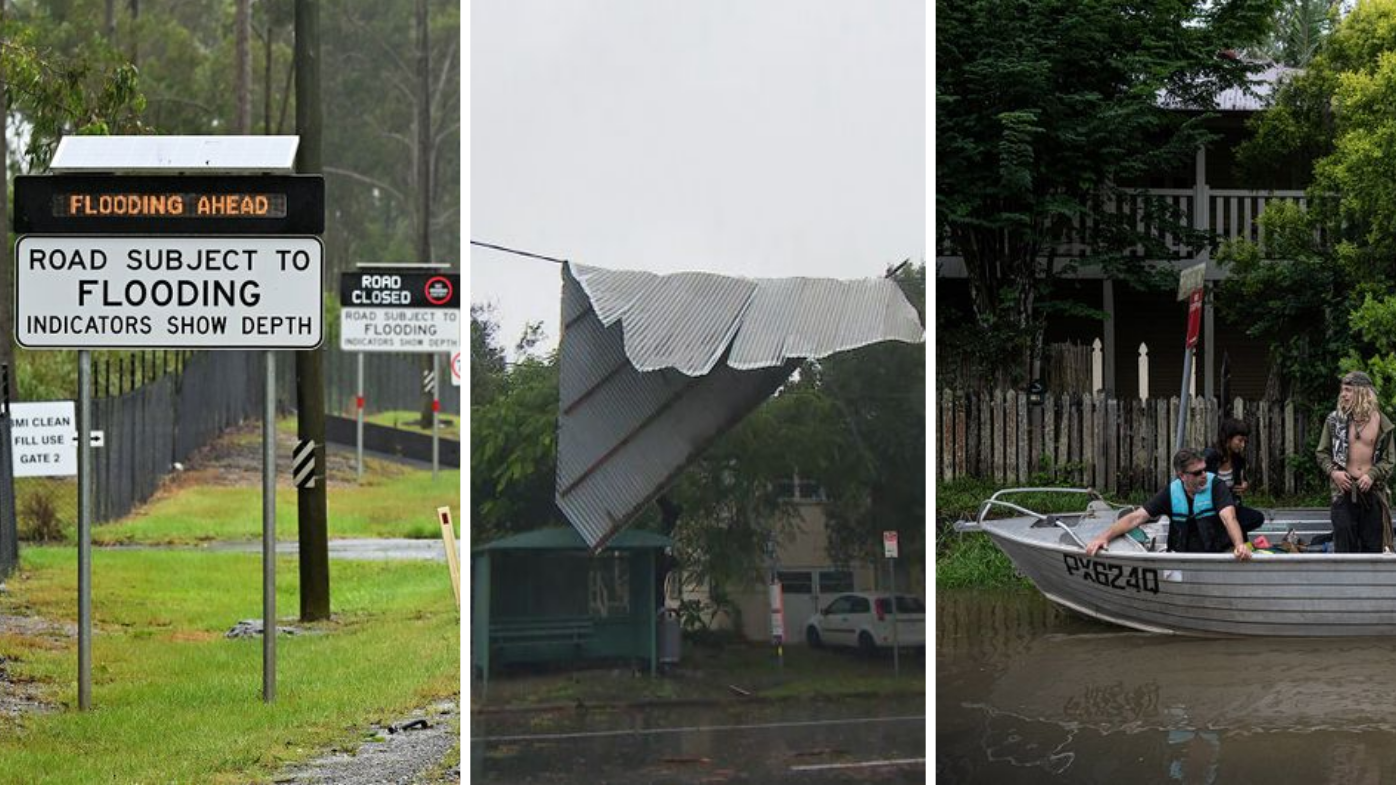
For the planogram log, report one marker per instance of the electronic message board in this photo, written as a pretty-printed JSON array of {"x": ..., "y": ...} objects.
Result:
[{"x": 170, "y": 204}]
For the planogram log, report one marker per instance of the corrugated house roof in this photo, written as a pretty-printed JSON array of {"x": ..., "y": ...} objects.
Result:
[
  {"x": 1256, "y": 96},
  {"x": 653, "y": 368}
]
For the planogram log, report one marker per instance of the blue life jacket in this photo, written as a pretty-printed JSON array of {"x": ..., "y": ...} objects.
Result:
[{"x": 1185, "y": 526}]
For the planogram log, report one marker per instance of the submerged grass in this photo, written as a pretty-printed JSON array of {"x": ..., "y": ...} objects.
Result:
[{"x": 175, "y": 701}]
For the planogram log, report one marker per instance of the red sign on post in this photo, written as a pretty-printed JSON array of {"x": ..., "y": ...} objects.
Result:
[{"x": 1194, "y": 317}]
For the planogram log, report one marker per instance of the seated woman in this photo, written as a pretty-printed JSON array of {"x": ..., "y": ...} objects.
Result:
[{"x": 1227, "y": 460}]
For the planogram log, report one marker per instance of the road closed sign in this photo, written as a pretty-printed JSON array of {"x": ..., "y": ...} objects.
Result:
[
  {"x": 399, "y": 311},
  {"x": 113, "y": 292}
]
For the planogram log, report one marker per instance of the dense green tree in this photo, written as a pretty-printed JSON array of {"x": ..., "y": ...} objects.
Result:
[
  {"x": 1045, "y": 107},
  {"x": 1335, "y": 120},
  {"x": 1300, "y": 29}
]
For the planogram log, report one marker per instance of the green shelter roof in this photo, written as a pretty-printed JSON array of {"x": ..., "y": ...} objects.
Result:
[{"x": 560, "y": 539}]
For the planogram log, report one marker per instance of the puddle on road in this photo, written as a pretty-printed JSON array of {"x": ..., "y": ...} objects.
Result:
[{"x": 1028, "y": 693}]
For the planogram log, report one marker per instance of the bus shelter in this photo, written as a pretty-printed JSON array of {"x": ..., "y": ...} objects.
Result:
[{"x": 542, "y": 596}]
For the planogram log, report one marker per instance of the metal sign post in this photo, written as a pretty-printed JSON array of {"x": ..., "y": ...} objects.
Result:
[
  {"x": 1190, "y": 286},
  {"x": 359, "y": 419},
  {"x": 269, "y": 535},
  {"x": 889, "y": 549},
  {"x": 84, "y": 530},
  {"x": 777, "y": 597}
]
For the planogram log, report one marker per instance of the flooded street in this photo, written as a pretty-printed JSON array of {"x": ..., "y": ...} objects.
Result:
[
  {"x": 789, "y": 741},
  {"x": 1027, "y": 693}
]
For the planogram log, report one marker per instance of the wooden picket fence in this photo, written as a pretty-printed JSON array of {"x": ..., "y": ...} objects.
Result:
[{"x": 1115, "y": 446}]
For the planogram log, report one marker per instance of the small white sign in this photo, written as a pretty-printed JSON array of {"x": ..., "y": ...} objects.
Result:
[
  {"x": 889, "y": 545},
  {"x": 413, "y": 330},
  {"x": 44, "y": 439},
  {"x": 211, "y": 292},
  {"x": 456, "y": 368}
]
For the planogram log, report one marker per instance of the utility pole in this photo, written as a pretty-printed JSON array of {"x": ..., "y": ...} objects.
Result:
[
  {"x": 7, "y": 348},
  {"x": 312, "y": 527},
  {"x": 424, "y": 170}
]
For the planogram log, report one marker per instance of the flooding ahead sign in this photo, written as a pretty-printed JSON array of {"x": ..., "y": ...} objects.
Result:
[{"x": 206, "y": 292}]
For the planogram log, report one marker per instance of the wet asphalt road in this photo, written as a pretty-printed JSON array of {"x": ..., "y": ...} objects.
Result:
[{"x": 806, "y": 742}]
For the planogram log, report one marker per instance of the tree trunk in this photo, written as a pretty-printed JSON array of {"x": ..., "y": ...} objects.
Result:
[
  {"x": 7, "y": 347},
  {"x": 266, "y": 82},
  {"x": 242, "y": 83},
  {"x": 310, "y": 365}
]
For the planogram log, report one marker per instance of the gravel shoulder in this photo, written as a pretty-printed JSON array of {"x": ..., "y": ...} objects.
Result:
[{"x": 421, "y": 749}]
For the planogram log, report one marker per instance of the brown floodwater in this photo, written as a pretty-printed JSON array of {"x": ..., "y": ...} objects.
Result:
[{"x": 1028, "y": 693}]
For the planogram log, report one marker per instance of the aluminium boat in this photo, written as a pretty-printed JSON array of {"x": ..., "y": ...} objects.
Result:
[{"x": 1136, "y": 583}]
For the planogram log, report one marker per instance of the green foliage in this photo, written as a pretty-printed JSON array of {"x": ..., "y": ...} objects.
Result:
[
  {"x": 1045, "y": 111},
  {"x": 513, "y": 436},
  {"x": 90, "y": 91},
  {"x": 1331, "y": 309},
  {"x": 37, "y": 512},
  {"x": 1301, "y": 27},
  {"x": 1292, "y": 293}
]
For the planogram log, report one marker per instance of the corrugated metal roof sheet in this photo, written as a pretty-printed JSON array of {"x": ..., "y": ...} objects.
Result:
[
  {"x": 643, "y": 391},
  {"x": 688, "y": 321}
]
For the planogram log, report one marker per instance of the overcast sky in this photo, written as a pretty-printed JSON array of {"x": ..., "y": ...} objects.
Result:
[{"x": 759, "y": 137}]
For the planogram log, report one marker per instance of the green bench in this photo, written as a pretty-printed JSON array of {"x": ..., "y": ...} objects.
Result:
[{"x": 541, "y": 632}]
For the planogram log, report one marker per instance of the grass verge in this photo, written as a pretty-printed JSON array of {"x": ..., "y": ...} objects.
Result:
[
  {"x": 402, "y": 505},
  {"x": 175, "y": 701}
]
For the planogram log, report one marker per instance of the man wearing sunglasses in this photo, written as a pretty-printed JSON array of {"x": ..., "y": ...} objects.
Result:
[
  {"x": 1200, "y": 509},
  {"x": 1355, "y": 450}
]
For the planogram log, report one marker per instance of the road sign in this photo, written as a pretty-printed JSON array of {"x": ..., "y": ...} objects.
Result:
[
  {"x": 170, "y": 204},
  {"x": 168, "y": 292},
  {"x": 455, "y": 369},
  {"x": 428, "y": 383},
  {"x": 1191, "y": 279},
  {"x": 397, "y": 311},
  {"x": 400, "y": 289},
  {"x": 44, "y": 438},
  {"x": 1194, "y": 317},
  {"x": 889, "y": 545}
]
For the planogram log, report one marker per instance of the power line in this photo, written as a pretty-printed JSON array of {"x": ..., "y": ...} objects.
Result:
[{"x": 492, "y": 246}]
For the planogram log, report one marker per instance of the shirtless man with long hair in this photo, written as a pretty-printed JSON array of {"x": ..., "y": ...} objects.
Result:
[{"x": 1356, "y": 450}]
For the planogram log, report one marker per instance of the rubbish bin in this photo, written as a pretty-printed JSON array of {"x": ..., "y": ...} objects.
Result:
[{"x": 670, "y": 636}]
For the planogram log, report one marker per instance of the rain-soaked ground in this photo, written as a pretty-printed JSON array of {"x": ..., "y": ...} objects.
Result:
[
  {"x": 848, "y": 740},
  {"x": 1026, "y": 693}
]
